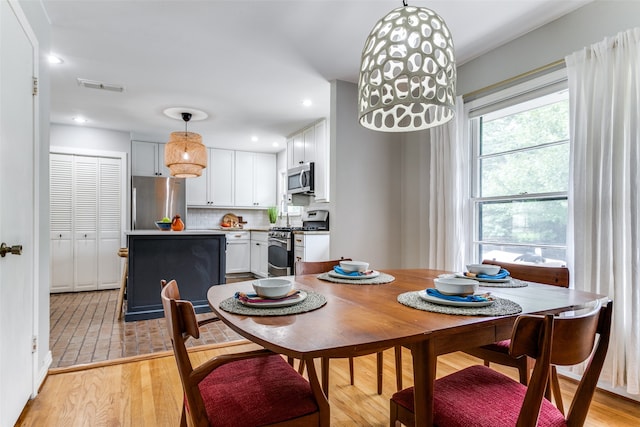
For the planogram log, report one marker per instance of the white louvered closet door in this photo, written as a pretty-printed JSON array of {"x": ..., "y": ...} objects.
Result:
[
  {"x": 61, "y": 219},
  {"x": 109, "y": 222},
  {"x": 85, "y": 223}
]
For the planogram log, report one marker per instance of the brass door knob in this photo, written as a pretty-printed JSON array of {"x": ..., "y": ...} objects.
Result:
[{"x": 15, "y": 249}]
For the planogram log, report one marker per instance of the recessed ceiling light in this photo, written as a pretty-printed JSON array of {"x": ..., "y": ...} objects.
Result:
[
  {"x": 275, "y": 144},
  {"x": 80, "y": 120},
  {"x": 54, "y": 59},
  {"x": 254, "y": 138},
  {"x": 306, "y": 103}
]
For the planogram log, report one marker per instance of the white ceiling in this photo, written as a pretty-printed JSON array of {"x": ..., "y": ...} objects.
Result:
[{"x": 247, "y": 64}]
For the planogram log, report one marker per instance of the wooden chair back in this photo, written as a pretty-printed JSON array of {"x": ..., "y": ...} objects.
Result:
[
  {"x": 556, "y": 276},
  {"x": 562, "y": 340},
  {"x": 316, "y": 267},
  {"x": 182, "y": 324}
]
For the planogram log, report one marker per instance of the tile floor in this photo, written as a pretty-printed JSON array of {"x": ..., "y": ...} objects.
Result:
[{"x": 85, "y": 328}]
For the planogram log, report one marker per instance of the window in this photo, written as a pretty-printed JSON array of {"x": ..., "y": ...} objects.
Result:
[{"x": 519, "y": 179}]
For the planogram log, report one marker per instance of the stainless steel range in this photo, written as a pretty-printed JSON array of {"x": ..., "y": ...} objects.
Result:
[{"x": 281, "y": 242}]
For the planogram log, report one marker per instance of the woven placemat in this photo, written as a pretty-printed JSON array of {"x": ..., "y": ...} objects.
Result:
[
  {"x": 312, "y": 302},
  {"x": 500, "y": 307},
  {"x": 381, "y": 279}
]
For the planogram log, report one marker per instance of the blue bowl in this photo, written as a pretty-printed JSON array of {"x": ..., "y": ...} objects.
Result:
[{"x": 164, "y": 226}]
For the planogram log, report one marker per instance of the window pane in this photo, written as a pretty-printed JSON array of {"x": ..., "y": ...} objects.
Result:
[
  {"x": 529, "y": 222},
  {"x": 552, "y": 257},
  {"x": 549, "y": 123},
  {"x": 539, "y": 170}
]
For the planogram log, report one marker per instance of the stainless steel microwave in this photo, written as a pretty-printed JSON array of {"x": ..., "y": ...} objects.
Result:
[{"x": 300, "y": 179}]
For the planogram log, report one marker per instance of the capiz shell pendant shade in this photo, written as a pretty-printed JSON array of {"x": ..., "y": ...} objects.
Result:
[
  {"x": 408, "y": 72},
  {"x": 185, "y": 155}
]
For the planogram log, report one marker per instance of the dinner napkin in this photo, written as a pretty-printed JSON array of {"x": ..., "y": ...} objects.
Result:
[
  {"x": 469, "y": 298},
  {"x": 244, "y": 297},
  {"x": 339, "y": 270},
  {"x": 502, "y": 274}
]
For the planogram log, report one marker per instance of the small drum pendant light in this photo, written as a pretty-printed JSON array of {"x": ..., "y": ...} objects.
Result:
[
  {"x": 184, "y": 154},
  {"x": 408, "y": 72}
]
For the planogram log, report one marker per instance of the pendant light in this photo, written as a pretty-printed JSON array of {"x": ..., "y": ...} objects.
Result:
[
  {"x": 407, "y": 73},
  {"x": 184, "y": 154}
]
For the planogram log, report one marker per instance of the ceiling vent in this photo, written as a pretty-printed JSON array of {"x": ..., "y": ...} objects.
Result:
[{"x": 100, "y": 85}]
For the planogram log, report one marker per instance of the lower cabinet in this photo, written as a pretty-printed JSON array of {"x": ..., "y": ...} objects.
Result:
[
  {"x": 310, "y": 247},
  {"x": 238, "y": 251},
  {"x": 259, "y": 254}
]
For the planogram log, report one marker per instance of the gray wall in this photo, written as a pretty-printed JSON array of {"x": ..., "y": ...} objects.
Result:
[
  {"x": 552, "y": 42},
  {"x": 365, "y": 185},
  {"x": 88, "y": 138}
]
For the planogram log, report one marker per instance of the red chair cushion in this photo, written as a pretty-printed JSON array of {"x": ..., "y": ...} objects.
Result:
[
  {"x": 502, "y": 346},
  {"x": 480, "y": 397},
  {"x": 255, "y": 392}
]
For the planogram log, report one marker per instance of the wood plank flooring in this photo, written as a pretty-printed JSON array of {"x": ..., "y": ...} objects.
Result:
[{"x": 146, "y": 391}]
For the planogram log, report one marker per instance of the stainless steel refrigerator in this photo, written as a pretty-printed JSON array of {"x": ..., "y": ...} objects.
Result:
[{"x": 153, "y": 198}]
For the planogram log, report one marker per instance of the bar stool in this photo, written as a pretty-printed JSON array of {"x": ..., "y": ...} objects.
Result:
[{"x": 123, "y": 253}]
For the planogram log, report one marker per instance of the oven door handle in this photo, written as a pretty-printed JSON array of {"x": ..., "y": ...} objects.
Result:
[
  {"x": 273, "y": 239},
  {"x": 277, "y": 268}
]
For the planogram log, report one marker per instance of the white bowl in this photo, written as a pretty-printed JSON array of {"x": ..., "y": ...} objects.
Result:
[
  {"x": 350, "y": 266},
  {"x": 454, "y": 286},
  {"x": 272, "y": 288},
  {"x": 488, "y": 269}
]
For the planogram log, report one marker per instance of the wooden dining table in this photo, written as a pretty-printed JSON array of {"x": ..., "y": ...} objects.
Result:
[{"x": 365, "y": 319}]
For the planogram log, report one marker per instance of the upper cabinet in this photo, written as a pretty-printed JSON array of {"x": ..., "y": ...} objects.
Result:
[
  {"x": 255, "y": 179},
  {"x": 234, "y": 179},
  {"x": 215, "y": 187},
  {"x": 147, "y": 159},
  {"x": 312, "y": 145}
]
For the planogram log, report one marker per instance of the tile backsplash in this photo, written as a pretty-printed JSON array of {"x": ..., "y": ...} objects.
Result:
[
  {"x": 203, "y": 219},
  {"x": 206, "y": 218}
]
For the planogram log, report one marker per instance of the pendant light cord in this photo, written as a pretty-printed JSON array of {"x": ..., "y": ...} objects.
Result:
[
  {"x": 186, "y": 117},
  {"x": 404, "y": 3}
]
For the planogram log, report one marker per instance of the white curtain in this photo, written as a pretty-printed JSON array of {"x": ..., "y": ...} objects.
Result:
[
  {"x": 604, "y": 192},
  {"x": 445, "y": 200}
]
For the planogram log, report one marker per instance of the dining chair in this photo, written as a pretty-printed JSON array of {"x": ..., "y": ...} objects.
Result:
[
  {"x": 499, "y": 352},
  {"x": 253, "y": 388},
  {"x": 317, "y": 267},
  {"x": 478, "y": 395}
]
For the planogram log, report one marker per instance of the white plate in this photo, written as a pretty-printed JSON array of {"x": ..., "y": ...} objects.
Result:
[
  {"x": 332, "y": 273},
  {"x": 425, "y": 296},
  {"x": 277, "y": 303},
  {"x": 479, "y": 279}
]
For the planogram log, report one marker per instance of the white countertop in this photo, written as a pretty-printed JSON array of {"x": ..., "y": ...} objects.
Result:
[{"x": 171, "y": 232}]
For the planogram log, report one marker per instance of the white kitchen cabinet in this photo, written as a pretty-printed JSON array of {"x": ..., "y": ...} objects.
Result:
[
  {"x": 311, "y": 144},
  {"x": 215, "y": 187},
  {"x": 310, "y": 247},
  {"x": 259, "y": 253},
  {"x": 147, "y": 159},
  {"x": 238, "y": 252},
  {"x": 85, "y": 222},
  {"x": 321, "y": 178},
  {"x": 255, "y": 179}
]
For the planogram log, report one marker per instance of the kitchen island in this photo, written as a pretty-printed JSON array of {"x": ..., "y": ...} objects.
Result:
[{"x": 195, "y": 259}]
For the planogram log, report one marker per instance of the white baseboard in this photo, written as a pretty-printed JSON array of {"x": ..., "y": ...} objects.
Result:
[
  {"x": 42, "y": 373},
  {"x": 601, "y": 385}
]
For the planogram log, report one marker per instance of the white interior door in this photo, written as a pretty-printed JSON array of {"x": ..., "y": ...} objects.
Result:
[{"x": 17, "y": 194}]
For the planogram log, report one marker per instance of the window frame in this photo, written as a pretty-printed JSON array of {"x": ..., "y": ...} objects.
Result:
[{"x": 483, "y": 105}]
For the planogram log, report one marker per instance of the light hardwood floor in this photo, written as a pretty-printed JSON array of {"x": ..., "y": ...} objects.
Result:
[{"x": 146, "y": 391}]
